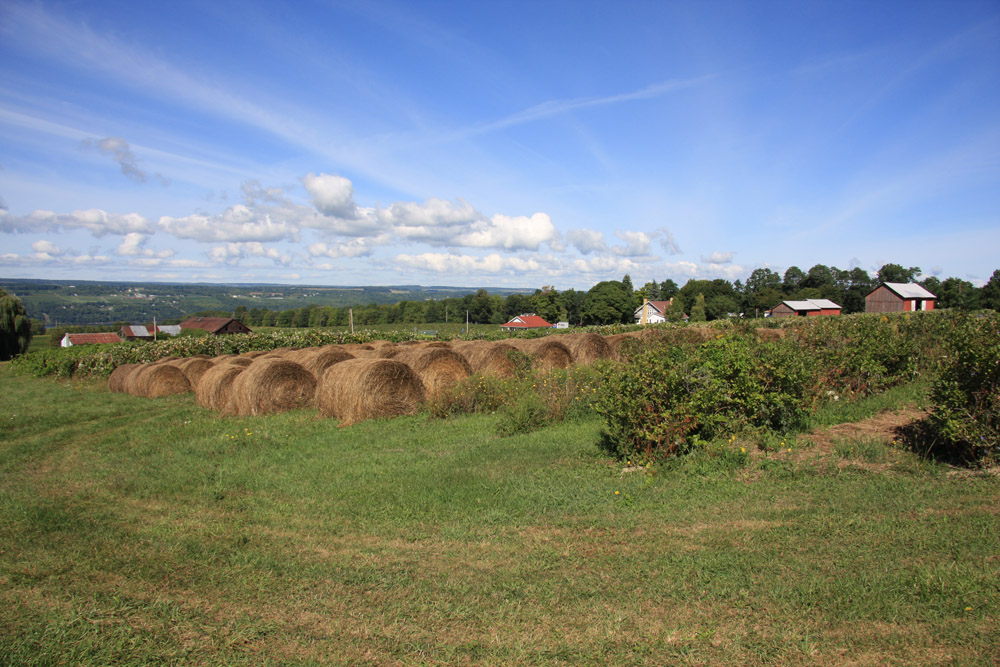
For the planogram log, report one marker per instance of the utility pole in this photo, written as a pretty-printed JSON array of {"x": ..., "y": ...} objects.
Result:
[{"x": 350, "y": 313}]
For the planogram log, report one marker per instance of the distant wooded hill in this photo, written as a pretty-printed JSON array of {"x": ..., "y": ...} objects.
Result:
[{"x": 63, "y": 302}]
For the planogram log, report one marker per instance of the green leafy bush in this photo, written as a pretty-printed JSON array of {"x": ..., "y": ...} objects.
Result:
[
  {"x": 669, "y": 397},
  {"x": 964, "y": 424},
  {"x": 860, "y": 355}
]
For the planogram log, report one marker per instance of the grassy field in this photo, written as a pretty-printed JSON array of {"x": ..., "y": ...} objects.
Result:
[{"x": 137, "y": 532}]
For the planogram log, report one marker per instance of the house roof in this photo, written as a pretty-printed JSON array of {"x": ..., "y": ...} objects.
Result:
[
  {"x": 93, "y": 338},
  {"x": 812, "y": 304},
  {"x": 137, "y": 330},
  {"x": 910, "y": 290},
  {"x": 528, "y": 322},
  {"x": 659, "y": 306},
  {"x": 212, "y": 324}
]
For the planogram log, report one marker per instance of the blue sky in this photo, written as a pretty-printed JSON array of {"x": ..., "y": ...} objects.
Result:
[{"x": 507, "y": 144}]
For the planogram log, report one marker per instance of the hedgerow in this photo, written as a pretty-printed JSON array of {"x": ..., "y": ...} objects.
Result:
[
  {"x": 964, "y": 424},
  {"x": 676, "y": 390},
  {"x": 669, "y": 397}
]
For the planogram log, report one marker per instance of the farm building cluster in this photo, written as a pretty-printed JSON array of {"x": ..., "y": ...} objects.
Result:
[
  {"x": 213, "y": 325},
  {"x": 886, "y": 298}
]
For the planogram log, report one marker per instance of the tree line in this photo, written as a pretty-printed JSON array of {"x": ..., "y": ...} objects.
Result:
[
  {"x": 615, "y": 301},
  {"x": 607, "y": 302}
]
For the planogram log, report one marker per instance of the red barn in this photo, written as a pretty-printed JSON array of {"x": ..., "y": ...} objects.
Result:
[
  {"x": 216, "y": 325},
  {"x": 899, "y": 297},
  {"x": 806, "y": 308}
]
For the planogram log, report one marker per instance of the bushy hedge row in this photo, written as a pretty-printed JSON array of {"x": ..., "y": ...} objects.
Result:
[
  {"x": 674, "y": 392},
  {"x": 670, "y": 396},
  {"x": 964, "y": 424}
]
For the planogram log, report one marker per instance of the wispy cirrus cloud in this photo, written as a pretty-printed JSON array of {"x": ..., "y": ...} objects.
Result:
[{"x": 552, "y": 108}]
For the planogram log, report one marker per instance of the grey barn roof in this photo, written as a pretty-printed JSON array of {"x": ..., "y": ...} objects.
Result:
[
  {"x": 811, "y": 304},
  {"x": 910, "y": 290}
]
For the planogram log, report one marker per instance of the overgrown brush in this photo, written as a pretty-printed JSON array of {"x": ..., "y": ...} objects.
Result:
[
  {"x": 525, "y": 403},
  {"x": 669, "y": 396},
  {"x": 964, "y": 424}
]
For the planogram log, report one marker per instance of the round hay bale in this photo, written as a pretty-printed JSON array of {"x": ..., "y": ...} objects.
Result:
[
  {"x": 356, "y": 347},
  {"x": 586, "y": 348},
  {"x": 624, "y": 345},
  {"x": 119, "y": 376},
  {"x": 255, "y": 353},
  {"x": 359, "y": 389},
  {"x": 271, "y": 385},
  {"x": 214, "y": 390},
  {"x": 194, "y": 368},
  {"x": 317, "y": 359},
  {"x": 156, "y": 380},
  {"x": 133, "y": 384},
  {"x": 486, "y": 358},
  {"x": 242, "y": 362},
  {"x": 163, "y": 380},
  {"x": 438, "y": 368},
  {"x": 546, "y": 354}
]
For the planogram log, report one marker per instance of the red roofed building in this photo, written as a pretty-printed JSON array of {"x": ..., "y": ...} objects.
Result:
[
  {"x": 527, "y": 321},
  {"x": 69, "y": 340},
  {"x": 216, "y": 325}
]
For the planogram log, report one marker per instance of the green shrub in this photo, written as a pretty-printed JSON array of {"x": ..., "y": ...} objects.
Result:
[
  {"x": 964, "y": 423},
  {"x": 860, "y": 355},
  {"x": 524, "y": 414},
  {"x": 476, "y": 394},
  {"x": 667, "y": 398}
]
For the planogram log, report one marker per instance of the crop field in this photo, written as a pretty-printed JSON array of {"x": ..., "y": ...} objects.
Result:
[{"x": 139, "y": 531}]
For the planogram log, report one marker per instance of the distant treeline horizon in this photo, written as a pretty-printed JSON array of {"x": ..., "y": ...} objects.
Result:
[{"x": 612, "y": 301}]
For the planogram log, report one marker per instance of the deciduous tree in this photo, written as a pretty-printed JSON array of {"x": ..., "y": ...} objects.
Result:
[{"x": 15, "y": 327}]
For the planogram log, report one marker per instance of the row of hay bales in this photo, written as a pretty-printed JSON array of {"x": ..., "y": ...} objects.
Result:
[{"x": 349, "y": 382}]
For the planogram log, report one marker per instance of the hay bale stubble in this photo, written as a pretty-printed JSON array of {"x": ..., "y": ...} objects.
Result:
[
  {"x": 214, "y": 390},
  {"x": 317, "y": 359},
  {"x": 586, "y": 348},
  {"x": 271, "y": 385},
  {"x": 119, "y": 377},
  {"x": 496, "y": 359},
  {"x": 360, "y": 389},
  {"x": 439, "y": 368},
  {"x": 156, "y": 380}
]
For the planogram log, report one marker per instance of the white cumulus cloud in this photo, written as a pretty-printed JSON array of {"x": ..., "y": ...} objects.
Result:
[
  {"x": 718, "y": 258},
  {"x": 332, "y": 195},
  {"x": 238, "y": 223}
]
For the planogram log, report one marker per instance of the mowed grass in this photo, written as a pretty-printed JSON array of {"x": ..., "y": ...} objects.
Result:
[{"x": 137, "y": 531}]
